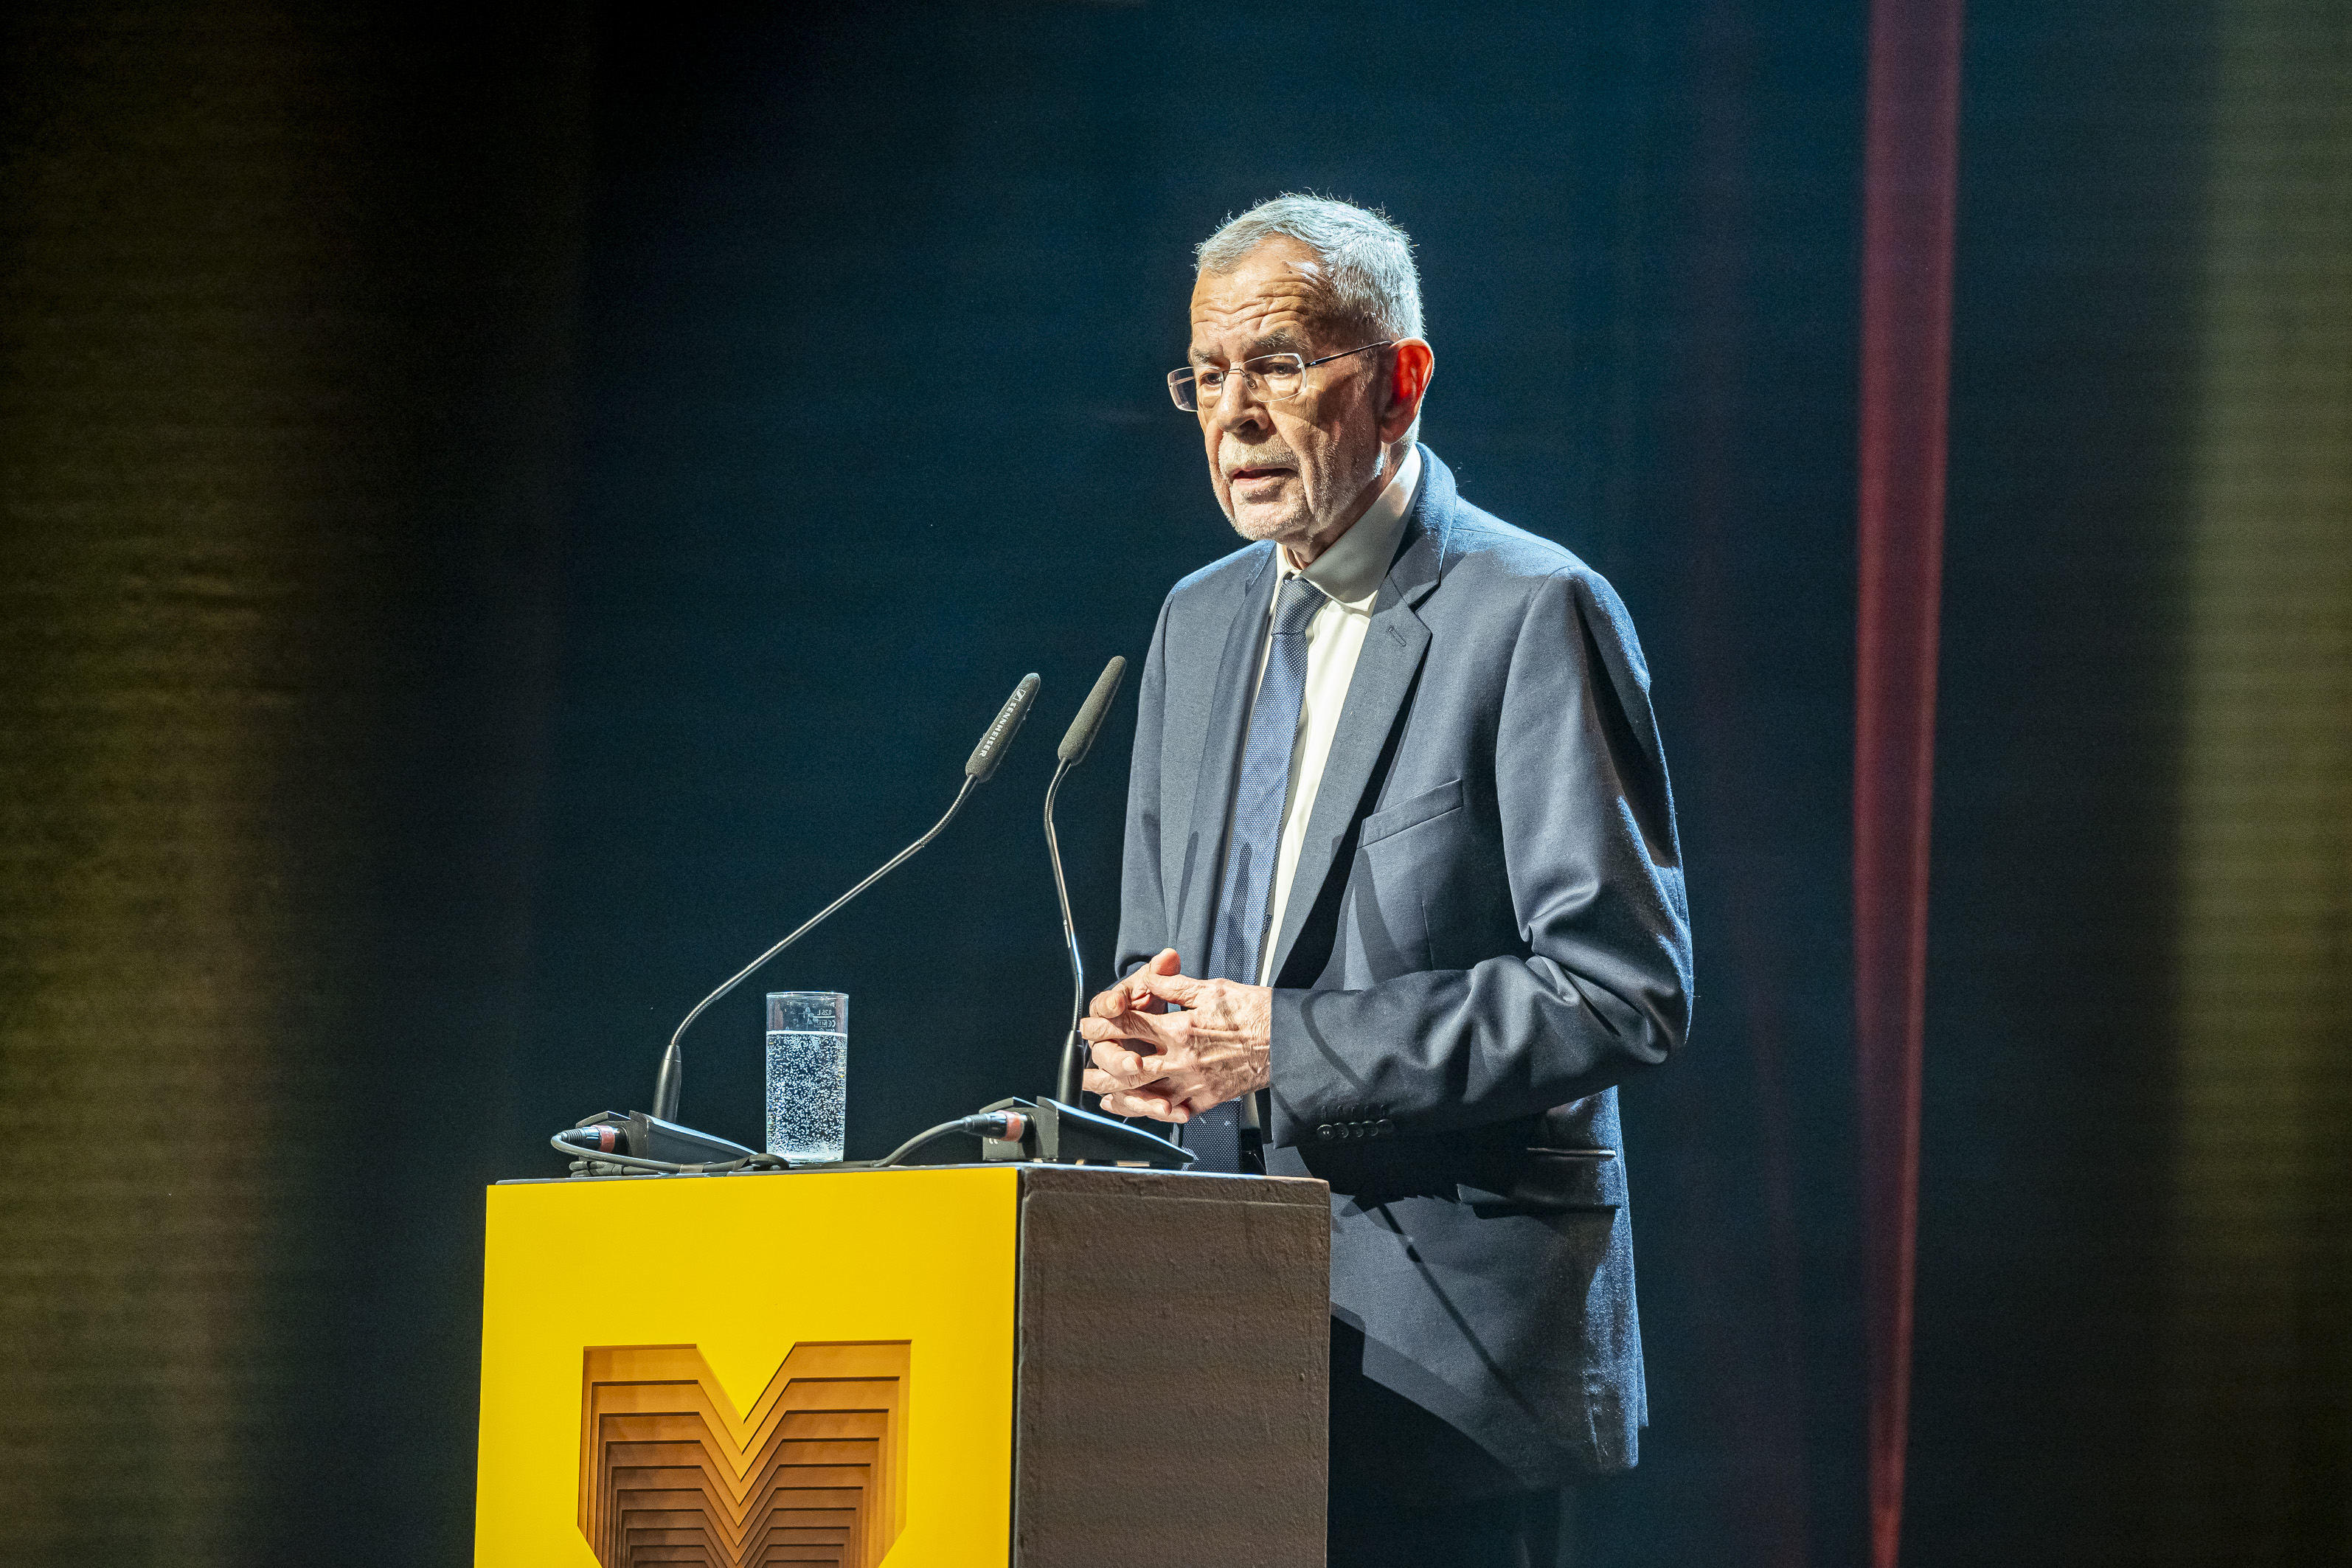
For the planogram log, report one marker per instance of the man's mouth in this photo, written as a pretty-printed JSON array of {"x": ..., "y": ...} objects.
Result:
[{"x": 1248, "y": 476}]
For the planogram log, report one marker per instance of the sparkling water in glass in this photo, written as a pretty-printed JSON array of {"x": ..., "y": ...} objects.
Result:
[{"x": 808, "y": 1075}]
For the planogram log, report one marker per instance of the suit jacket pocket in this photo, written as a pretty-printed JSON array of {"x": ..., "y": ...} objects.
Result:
[
  {"x": 1545, "y": 1181},
  {"x": 1389, "y": 821}
]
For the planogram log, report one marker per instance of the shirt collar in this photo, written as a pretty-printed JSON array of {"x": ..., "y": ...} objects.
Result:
[{"x": 1351, "y": 571}]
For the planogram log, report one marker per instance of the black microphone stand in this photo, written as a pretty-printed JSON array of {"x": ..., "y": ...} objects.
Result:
[
  {"x": 670, "y": 1081},
  {"x": 1070, "y": 1072}
]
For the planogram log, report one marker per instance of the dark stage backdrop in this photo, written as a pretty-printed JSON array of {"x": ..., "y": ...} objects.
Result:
[{"x": 506, "y": 511}]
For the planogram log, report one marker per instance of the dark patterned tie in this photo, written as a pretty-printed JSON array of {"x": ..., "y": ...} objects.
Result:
[{"x": 1237, "y": 946}]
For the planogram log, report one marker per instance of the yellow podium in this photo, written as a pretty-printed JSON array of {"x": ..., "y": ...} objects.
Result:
[{"x": 933, "y": 1366}]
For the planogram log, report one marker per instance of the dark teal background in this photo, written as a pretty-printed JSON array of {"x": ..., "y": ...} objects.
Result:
[{"x": 508, "y": 511}]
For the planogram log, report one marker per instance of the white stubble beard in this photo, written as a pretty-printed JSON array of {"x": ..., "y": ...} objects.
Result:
[{"x": 1302, "y": 522}]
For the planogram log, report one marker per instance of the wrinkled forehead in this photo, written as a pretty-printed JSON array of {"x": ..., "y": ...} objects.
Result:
[{"x": 1278, "y": 297}]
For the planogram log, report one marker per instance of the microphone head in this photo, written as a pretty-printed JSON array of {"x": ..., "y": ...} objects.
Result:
[
  {"x": 991, "y": 750},
  {"x": 1081, "y": 736}
]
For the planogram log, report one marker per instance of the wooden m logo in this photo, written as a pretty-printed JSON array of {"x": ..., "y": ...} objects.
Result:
[{"x": 814, "y": 1472}]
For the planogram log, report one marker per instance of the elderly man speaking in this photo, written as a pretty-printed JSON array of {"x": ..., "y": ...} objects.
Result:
[{"x": 1402, "y": 901}]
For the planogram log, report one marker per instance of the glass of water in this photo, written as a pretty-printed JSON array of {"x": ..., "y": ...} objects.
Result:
[{"x": 808, "y": 1075}]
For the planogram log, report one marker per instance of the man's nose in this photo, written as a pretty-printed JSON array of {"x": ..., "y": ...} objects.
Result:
[{"x": 1237, "y": 409}]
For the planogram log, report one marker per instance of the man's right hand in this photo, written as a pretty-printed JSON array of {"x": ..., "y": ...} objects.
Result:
[{"x": 1131, "y": 995}]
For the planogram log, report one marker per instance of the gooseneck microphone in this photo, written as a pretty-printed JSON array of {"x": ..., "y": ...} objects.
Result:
[
  {"x": 981, "y": 766},
  {"x": 1076, "y": 744}
]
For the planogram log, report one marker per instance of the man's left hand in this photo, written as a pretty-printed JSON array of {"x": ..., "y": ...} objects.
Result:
[{"x": 1171, "y": 1066}]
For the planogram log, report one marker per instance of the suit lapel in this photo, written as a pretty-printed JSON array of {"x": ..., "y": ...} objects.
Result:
[
  {"x": 1221, "y": 750},
  {"x": 1394, "y": 644}
]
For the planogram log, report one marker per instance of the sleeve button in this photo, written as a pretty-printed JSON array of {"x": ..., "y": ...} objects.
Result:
[{"x": 1325, "y": 1132}]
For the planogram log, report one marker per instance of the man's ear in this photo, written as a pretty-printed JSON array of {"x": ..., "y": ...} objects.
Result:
[{"x": 1410, "y": 372}]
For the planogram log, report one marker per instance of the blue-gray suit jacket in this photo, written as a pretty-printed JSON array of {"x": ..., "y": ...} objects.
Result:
[{"x": 1486, "y": 932}]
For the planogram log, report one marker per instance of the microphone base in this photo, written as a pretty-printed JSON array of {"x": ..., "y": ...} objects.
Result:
[
  {"x": 654, "y": 1138},
  {"x": 1058, "y": 1133}
]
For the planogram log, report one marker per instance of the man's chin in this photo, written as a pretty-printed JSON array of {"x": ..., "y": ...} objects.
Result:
[{"x": 1256, "y": 523}]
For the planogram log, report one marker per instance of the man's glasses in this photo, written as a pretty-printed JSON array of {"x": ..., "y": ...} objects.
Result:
[{"x": 1271, "y": 378}]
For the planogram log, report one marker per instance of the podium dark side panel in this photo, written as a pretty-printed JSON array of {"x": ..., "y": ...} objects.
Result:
[{"x": 1174, "y": 1370}]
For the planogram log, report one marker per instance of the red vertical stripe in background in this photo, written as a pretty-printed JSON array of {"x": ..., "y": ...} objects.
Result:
[{"x": 1909, "y": 173}]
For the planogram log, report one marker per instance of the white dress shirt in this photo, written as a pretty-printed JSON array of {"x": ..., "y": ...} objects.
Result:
[{"x": 1350, "y": 573}]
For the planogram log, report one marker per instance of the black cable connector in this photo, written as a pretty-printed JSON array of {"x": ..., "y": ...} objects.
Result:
[
  {"x": 599, "y": 1146},
  {"x": 1001, "y": 1125}
]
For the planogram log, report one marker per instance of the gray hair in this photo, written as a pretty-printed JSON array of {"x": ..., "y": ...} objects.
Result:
[{"x": 1368, "y": 259}]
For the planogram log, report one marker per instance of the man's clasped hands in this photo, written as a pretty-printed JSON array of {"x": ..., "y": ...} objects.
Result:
[{"x": 1168, "y": 1046}]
